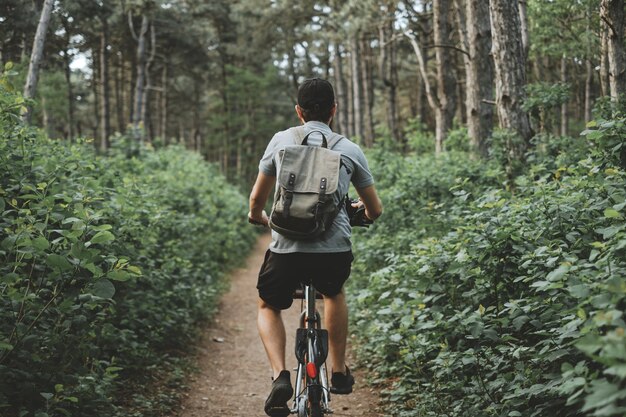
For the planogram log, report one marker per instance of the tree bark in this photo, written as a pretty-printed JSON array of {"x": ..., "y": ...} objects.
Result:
[
  {"x": 356, "y": 87},
  {"x": 163, "y": 105},
  {"x": 68, "y": 79},
  {"x": 146, "y": 116},
  {"x": 604, "y": 61},
  {"x": 388, "y": 71},
  {"x": 105, "y": 122},
  {"x": 612, "y": 15},
  {"x": 589, "y": 73},
  {"x": 138, "y": 113},
  {"x": 522, "y": 7},
  {"x": 368, "y": 91},
  {"x": 119, "y": 93},
  {"x": 446, "y": 83},
  {"x": 479, "y": 87},
  {"x": 510, "y": 72},
  {"x": 30, "y": 88},
  {"x": 564, "y": 111},
  {"x": 588, "y": 89},
  {"x": 341, "y": 117}
]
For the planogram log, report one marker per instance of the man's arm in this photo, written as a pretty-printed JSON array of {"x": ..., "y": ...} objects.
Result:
[
  {"x": 258, "y": 198},
  {"x": 373, "y": 205}
]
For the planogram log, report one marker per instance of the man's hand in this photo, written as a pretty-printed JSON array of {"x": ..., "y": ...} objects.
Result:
[{"x": 260, "y": 220}]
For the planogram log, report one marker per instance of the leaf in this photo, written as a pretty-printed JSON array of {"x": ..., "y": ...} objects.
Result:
[
  {"x": 590, "y": 344},
  {"x": 47, "y": 395},
  {"x": 40, "y": 243},
  {"x": 603, "y": 393},
  {"x": 135, "y": 270},
  {"x": 558, "y": 273},
  {"x": 579, "y": 291},
  {"x": 618, "y": 370},
  {"x": 103, "y": 288},
  {"x": 5, "y": 346},
  {"x": 609, "y": 232},
  {"x": 396, "y": 337},
  {"x": 612, "y": 213},
  {"x": 58, "y": 262},
  {"x": 103, "y": 237},
  {"x": 118, "y": 275}
]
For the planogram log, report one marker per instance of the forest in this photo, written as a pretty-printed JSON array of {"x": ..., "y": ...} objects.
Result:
[{"x": 130, "y": 134}]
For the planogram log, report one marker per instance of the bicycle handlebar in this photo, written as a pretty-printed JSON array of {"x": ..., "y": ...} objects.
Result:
[{"x": 357, "y": 214}]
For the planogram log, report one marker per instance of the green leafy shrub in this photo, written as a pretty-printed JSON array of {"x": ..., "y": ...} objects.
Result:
[
  {"x": 512, "y": 305},
  {"x": 107, "y": 266}
]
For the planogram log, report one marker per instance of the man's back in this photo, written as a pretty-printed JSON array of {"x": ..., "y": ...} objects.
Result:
[{"x": 354, "y": 169}]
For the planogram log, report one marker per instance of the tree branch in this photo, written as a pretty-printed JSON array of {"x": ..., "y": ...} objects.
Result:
[{"x": 456, "y": 48}]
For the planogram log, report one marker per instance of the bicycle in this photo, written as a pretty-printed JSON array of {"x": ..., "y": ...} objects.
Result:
[{"x": 312, "y": 393}]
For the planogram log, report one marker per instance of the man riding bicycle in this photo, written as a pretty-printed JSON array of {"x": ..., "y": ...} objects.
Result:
[{"x": 327, "y": 258}]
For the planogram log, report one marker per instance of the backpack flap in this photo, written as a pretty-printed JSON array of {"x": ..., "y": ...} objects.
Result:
[
  {"x": 309, "y": 164},
  {"x": 307, "y": 180}
]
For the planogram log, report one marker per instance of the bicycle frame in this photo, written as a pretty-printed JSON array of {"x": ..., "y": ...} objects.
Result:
[{"x": 312, "y": 395}]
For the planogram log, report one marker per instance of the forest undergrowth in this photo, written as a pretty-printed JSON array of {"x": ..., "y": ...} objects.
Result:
[
  {"x": 494, "y": 290},
  {"x": 108, "y": 265}
]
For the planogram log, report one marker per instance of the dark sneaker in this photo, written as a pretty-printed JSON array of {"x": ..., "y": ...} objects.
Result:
[
  {"x": 276, "y": 403},
  {"x": 341, "y": 383}
]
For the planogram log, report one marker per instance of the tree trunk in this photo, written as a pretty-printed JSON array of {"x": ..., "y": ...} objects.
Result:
[
  {"x": 119, "y": 94},
  {"x": 479, "y": 76},
  {"x": 68, "y": 80},
  {"x": 510, "y": 73},
  {"x": 105, "y": 122},
  {"x": 356, "y": 87},
  {"x": 522, "y": 7},
  {"x": 163, "y": 105},
  {"x": 604, "y": 61},
  {"x": 138, "y": 113},
  {"x": 146, "y": 116},
  {"x": 612, "y": 15},
  {"x": 388, "y": 72},
  {"x": 70, "y": 94},
  {"x": 446, "y": 82},
  {"x": 30, "y": 88},
  {"x": 564, "y": 112},
  {"x": 589, "y": 72},
  {"x": 368, "y": 91},
  {"x": 350, "y": 95},
  {"x": 588, "y": 90},
  {"x": 461, "y": 84},
  {"x": 95, "y": 82},
  {"x": 341, "y": 117}
]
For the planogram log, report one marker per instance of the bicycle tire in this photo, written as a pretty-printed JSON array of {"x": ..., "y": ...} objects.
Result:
[
  {"x": 316, "y": 411},
  {"x": 314, "y": 401}
]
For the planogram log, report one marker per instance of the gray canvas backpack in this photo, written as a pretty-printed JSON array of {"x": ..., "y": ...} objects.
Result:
[{"x": 307, "y": 199}]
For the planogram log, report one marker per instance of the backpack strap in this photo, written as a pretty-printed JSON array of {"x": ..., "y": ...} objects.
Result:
[
  {"x": 335, "y": 138},
  {"x": 298, "y": 134}
]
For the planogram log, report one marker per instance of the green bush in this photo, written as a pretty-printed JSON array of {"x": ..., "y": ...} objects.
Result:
[
  {"x": 512, "y": 304},
  {"x": 107, "y": 266}
]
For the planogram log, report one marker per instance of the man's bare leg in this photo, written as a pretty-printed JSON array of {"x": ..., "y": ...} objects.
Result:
[
  {"x": 272, "y": 332},
  {"x": 336, "y": 322}
]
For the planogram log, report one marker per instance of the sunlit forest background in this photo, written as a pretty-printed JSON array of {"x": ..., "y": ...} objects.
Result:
[{"x": 130, "y": 134}]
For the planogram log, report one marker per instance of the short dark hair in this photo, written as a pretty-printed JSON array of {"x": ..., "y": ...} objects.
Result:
[{"x": 316, "y": 98}]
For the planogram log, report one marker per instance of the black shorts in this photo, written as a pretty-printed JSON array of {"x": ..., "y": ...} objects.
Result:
[{"x": 282, "y": 273}]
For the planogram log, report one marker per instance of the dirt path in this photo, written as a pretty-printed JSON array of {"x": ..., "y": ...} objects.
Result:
[{"x": 234, "y": 377}]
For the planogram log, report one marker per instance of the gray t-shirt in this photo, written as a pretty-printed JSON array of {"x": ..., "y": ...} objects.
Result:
[{"x": 354, "y": 169}]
